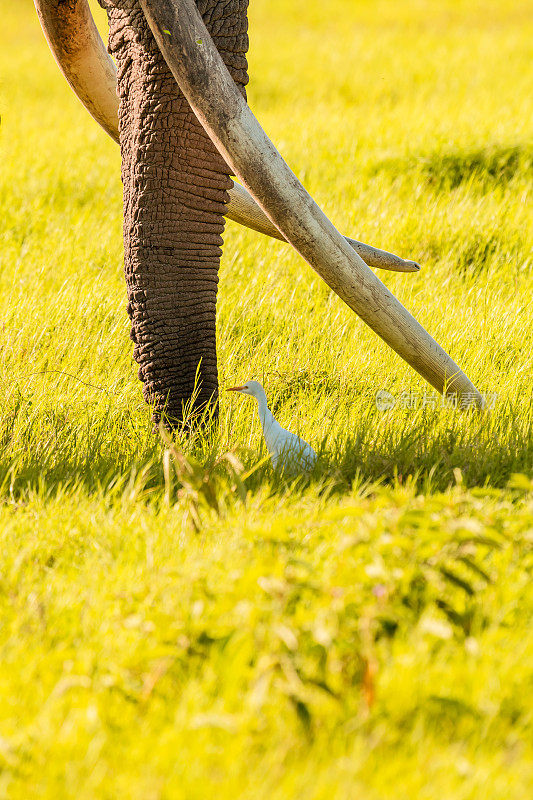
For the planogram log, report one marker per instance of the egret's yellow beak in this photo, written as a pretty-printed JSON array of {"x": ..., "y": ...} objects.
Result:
[{"x": 235, "y": 389}]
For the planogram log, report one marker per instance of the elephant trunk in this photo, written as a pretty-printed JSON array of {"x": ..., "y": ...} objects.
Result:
[{"x": 175, "y": 195}]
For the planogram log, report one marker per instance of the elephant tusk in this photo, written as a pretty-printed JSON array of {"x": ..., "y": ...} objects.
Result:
[
  {"x": 244, "y": 210},
  {"x": 81, "y": 55},
  {"x": 84, "y": 61},
  {"x": 206, "y": 83}
]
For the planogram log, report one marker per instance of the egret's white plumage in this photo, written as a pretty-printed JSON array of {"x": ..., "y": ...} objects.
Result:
[{"x": 286, "y": 449}]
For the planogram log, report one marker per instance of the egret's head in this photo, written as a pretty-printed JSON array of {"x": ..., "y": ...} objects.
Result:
[{"x": 250, "y": 387}]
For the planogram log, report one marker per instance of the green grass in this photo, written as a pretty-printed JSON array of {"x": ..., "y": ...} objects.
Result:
[{"x": 178, "y": 623}]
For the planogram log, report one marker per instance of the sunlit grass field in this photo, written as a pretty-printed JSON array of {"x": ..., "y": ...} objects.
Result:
[{"x": 176, "y": 620}]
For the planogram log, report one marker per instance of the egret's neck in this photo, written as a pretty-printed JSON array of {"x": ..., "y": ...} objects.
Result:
[{"x": 265, "y": 414}]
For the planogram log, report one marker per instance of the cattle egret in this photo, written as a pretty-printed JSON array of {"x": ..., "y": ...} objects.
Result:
[{"x": 286, "y": 449}]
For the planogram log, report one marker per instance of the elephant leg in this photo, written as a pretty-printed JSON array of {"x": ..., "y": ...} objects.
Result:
[{"x": 175, "y": 194}]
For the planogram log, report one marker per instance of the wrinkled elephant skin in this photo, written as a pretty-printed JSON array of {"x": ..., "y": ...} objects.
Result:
[{"x": 175, "y": 194}]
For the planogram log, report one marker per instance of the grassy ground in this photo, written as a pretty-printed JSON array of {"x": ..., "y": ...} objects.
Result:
[{"x": 175, "y": 625}]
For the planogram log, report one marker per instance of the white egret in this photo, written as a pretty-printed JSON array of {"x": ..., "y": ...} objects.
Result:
[{"x": 286, "y": 449}]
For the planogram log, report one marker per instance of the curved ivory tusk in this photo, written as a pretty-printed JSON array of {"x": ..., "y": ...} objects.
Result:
[
  {"x": 244, "y": 209},
  {"x": 89, "y": 69},
  {"x": 81, "y": 56},
  {"x": 206, "y": 83}
]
